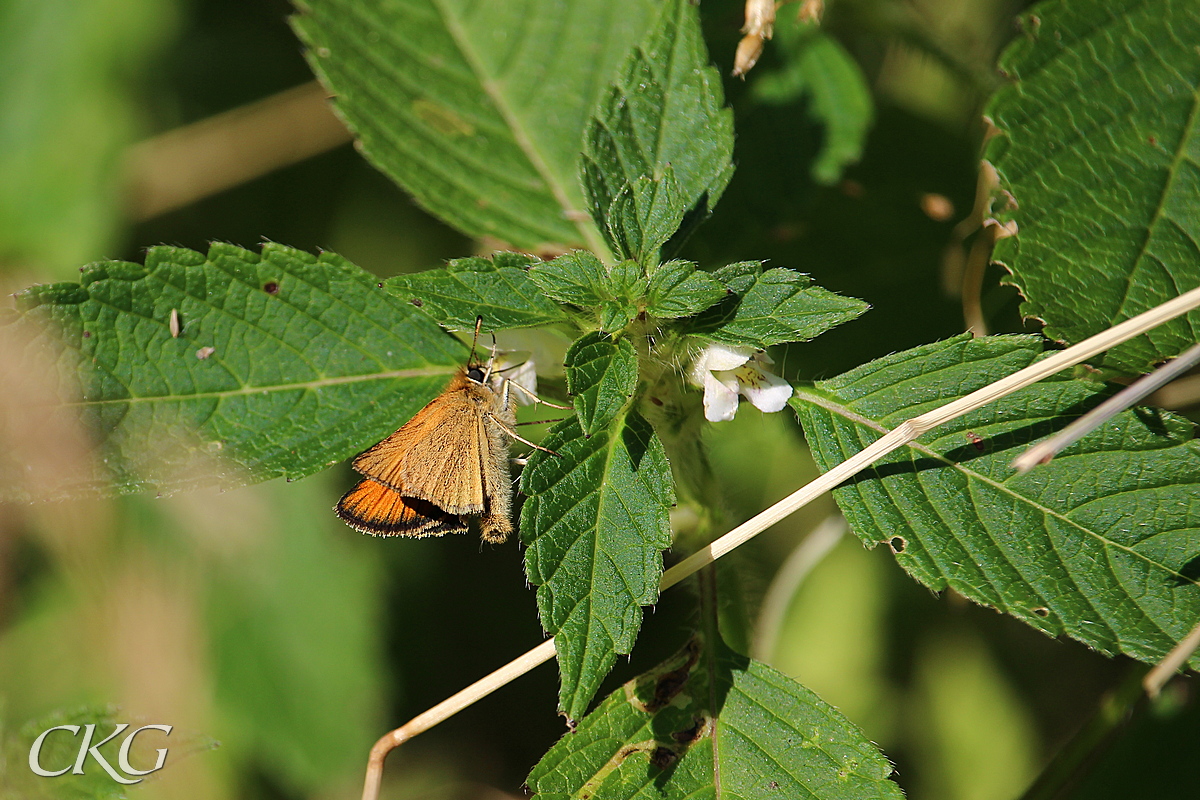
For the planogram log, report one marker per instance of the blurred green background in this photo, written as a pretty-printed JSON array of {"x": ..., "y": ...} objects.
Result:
[{"x": 257, "y": 619}]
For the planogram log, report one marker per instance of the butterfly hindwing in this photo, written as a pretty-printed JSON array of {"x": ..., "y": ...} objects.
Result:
[{"x": 372, "y": 507}]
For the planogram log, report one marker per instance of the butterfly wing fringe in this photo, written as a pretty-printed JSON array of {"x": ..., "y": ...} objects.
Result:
[{"x": 371, "y": 507}]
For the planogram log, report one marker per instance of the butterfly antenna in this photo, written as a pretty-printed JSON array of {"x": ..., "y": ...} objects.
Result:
[
  {"x": 491, "y": 361},
  {"x": 475, "y": 338}
]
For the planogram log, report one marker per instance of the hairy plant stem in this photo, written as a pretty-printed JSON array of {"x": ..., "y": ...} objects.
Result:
[{"x": 677, "y": 415}]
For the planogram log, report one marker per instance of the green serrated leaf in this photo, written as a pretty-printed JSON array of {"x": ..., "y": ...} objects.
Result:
[
  {"x": 1101, "y": 543},
  {"x": 772, "y": 307},
  {"x": 712, "y": 723},
  {"x": 678, "y": 289},
  {"x": 499, "y": 290},
  {"x": 1100, "y": 146},
  {"x": 602, "y": 374},
  {"x": 285, "y": 363},
  {"x": 595, "y": 524},
  {"x": 477, "y": 109},
  {"x": 816, "y": 67},
  {"x": 644, "y": 215},
  {"x": 665, "y": 108},
  {"x": 578, "y": 278},
  {"x": 627, "y": 281},
  {"x": 616, "y": 314}
]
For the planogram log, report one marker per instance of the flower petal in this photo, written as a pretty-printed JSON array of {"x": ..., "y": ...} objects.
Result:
[
  {"x": 717, "y": 357},
  {"x": 524, "y": 375},
  {"x": 720, "y": 397},
  {"x": 767, "y": 391}
]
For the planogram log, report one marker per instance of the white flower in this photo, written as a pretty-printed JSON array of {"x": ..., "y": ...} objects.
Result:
[
  {"x": 506, "y": 368},
  {"x": 724, "y": 372}
]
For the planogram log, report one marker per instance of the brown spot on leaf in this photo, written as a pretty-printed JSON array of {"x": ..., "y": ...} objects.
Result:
[
  {"x": 663, "y": 757},
  {"x": 689, "y": 735},
  {"x": 418, "y": 302},
  {"x": 670, "y": 684},
  {"x": 271, "y": 287}
]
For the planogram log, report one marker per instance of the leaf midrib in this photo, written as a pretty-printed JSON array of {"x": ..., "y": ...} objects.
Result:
[
  {"x": 1181, "y": 149},
  {"x": 847, "y": 414},
  {"x": 489, "y": 84},
  {"x": 422, "y": 372}
]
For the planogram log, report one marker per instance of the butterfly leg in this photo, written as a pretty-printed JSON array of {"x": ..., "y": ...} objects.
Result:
[
  {"x": 534, "y": 397},
  {"x": 508, "y": 429}
]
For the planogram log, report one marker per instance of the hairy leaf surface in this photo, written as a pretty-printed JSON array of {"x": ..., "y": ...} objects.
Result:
[
  {"x": 660, "y": 143},
  {"x": 602, "y": 374},
  {"x": 499, "y": 290},
  {"x": 285, "y": 363},
  {"x": 678, "y": 289},
  {"x": 1102, "y": 543},
  {"x": 712, "y": 723},
  {"x": 1100, "y": 147},
  {"x": 595, "y": 523},
  {"x": 772, "y": 307},
  {"x": 476, "y": 108}
]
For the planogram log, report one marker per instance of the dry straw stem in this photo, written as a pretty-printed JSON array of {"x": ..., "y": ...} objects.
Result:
[
  {"x": 1042, "y": 452},
  {"x": 187, "y": 164},
  {"x": 1157, "y": 678},
  {"x": 903, "y": 434}
]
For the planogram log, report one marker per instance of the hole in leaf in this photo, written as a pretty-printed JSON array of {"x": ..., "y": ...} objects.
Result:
[
  {"x": 1042, "y": 611},
  {"x": 898, "y": 544}
]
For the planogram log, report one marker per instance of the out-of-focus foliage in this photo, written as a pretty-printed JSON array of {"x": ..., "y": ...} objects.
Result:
[
  {"x": 72, "y": 72},
  {"x": 254, "y": 618}
]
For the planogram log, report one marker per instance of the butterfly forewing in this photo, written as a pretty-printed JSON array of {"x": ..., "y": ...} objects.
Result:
[{"x": 434, "y": 456}]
